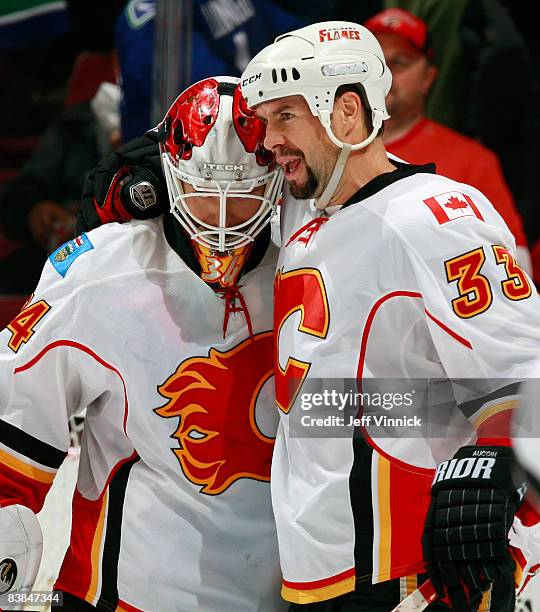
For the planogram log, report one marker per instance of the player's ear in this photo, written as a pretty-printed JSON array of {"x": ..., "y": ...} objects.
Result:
[{"x": 347, "y": 114}]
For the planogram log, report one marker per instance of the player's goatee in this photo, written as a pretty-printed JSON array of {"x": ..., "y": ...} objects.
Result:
[{"x": 308, "y": 189}]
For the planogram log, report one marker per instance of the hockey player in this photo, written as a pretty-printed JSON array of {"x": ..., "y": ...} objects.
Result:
[
  {"x": 386, "y": 271},
  {"x": 162, "y": 329}
]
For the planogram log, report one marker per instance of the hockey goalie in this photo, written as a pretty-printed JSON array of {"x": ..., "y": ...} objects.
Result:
[{"x": 162, "y": 329}]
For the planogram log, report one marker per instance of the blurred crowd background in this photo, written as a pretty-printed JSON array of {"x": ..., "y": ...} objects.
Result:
[{"x": 80, "y": 78}]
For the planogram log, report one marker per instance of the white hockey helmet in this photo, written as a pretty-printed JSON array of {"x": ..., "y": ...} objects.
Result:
[
  {"x": 214, "y": 142},
  {"x": 313, "y": 62}
]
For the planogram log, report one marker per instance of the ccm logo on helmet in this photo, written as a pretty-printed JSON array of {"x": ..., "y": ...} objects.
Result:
[
  {"x": 228, "y": 167},
  {"x": 475, "y": 467},
  {"x": 326, "y": 35},
  {"x": 251, "y": 79}
]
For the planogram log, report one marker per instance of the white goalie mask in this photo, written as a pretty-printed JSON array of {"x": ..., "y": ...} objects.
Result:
[{"x": 212, "y": 141}]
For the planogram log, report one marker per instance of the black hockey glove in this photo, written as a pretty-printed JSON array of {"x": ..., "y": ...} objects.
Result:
[
  {"x": 465, "y": 541},
  {"x": 127, "y": 184}
]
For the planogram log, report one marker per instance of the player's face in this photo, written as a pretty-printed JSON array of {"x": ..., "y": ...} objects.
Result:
[
  {"x": 412, "y": 77},
  {"x": 206, "y": 208},
  {"x": 300, "y": 143}
]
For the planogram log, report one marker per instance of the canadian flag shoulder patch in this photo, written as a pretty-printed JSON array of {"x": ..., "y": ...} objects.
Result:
[{"x": 452, "y": 205}]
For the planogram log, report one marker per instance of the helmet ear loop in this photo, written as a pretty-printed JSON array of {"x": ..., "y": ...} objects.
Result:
[{"x": 324, "y": 118}]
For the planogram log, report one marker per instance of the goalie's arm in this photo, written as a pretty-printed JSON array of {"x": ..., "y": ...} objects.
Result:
[
  {"x": 29, "y": 401},
  {"x": 41, "y": 386}
]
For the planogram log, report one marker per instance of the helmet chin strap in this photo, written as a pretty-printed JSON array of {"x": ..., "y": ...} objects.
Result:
[{"x": 324, "y": 117}]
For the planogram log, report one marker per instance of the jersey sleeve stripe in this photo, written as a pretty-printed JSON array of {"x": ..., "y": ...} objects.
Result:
[
  {"x": 125, "y": 607},
  {"x": 494, "y": 410},
  {"x": 30, "y": 471},
  {"x": 28, "y": 446},
  {"x": 319, "y": 590},
  {"x": 472, "y": 407},
  {"x": 18, "y": 488}
]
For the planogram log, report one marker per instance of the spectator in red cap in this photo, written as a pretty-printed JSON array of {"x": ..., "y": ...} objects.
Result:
[{"x": 410, "y": 135}]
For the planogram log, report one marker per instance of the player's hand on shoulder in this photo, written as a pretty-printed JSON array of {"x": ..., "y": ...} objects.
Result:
[
  {"x": 465, "y": 542},
  {"x": 127, "y": 184}
]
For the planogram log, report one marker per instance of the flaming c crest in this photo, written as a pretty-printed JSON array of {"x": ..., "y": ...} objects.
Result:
[{"x": 215, "y": 399}]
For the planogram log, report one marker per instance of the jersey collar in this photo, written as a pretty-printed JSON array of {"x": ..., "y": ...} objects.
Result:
[{"x": 378, "y": 183}]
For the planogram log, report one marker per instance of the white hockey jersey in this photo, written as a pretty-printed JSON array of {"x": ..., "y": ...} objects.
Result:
[
  {"x": 414, "y": 281},
  {"x": 172, "y": 505}
]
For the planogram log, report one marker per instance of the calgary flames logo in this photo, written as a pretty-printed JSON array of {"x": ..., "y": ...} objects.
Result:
[{"x": 215, "y": 398}]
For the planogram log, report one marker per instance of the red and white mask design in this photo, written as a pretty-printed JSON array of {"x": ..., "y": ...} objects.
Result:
[{"x": 214, "y": 143}]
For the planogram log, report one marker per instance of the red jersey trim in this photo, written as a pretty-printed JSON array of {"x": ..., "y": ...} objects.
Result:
[
  {"x": 29, "y": 471},
  {"x": 125, "y": 607},
  {"x": 362, "y": 359},
  {"x": 373, "y": 312},
  {"x": 81, "y": 572},
  {"x": 319, "y": 590},
  {"x": 84, "y": 349}
]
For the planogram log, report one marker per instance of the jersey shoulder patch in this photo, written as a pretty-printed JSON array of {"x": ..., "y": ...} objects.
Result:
[
  {"x": 65, "y": 255},
  {"x": 436, "y": 215},
  {"x": 435, "y": 202},
  {"x": 451, "y": 205}
]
